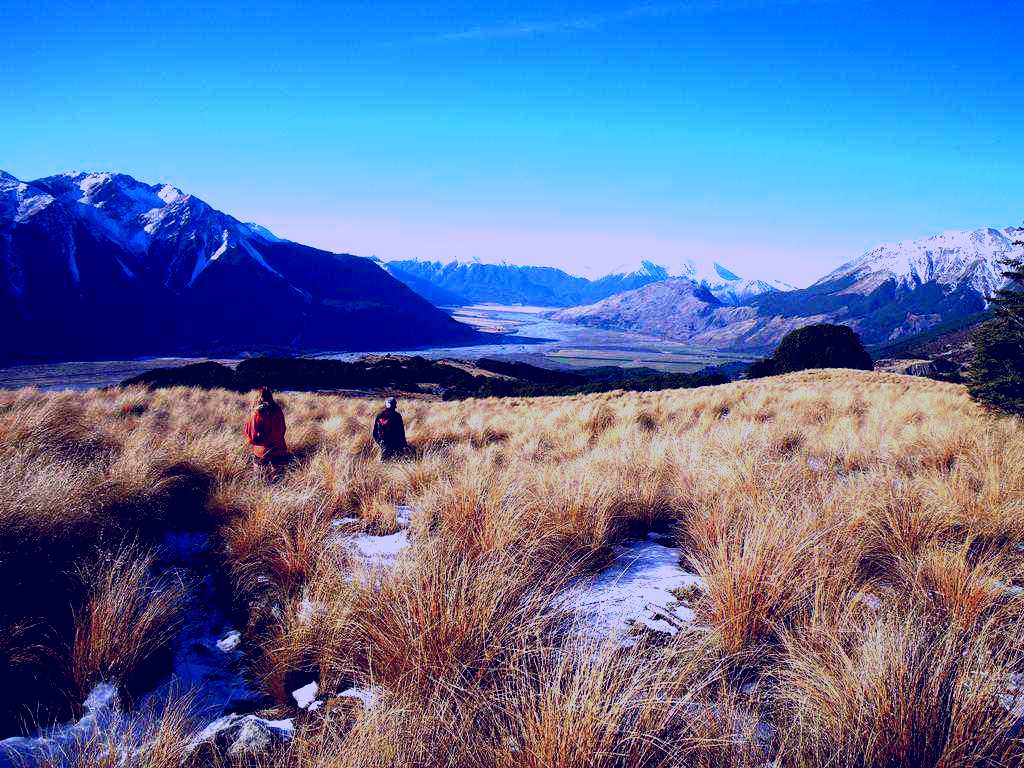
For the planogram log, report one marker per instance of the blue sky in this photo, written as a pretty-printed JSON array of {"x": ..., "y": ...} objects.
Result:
[{"x": 779, "y": 137}]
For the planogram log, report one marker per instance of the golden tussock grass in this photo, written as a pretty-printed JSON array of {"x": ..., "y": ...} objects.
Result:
[
  {"x": 129, "y": 616},
  {"x": 859, "y": 537}
]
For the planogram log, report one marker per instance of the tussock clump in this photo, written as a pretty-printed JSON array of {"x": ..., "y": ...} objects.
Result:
[
  {"x": 600, "y": 419},
  {"x": 900, "y": 690},
  {"x": 447, "y": 616},
  {"x": 130, "y": 616}
]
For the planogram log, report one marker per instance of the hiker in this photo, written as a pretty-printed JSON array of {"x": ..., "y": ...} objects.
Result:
[
  {"x": 265, "y": 431},
  {"x": 389, "y": 432}
]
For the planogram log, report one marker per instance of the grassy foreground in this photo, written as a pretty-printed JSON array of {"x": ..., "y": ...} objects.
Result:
[{"x": 859, "y": 536}]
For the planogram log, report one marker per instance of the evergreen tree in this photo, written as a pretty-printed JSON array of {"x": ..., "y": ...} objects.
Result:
[
  {"x": 814, "y": 346},
  {"x": 996, "y": 372}
]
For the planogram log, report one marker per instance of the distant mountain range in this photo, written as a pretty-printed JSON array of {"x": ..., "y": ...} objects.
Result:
[
  {"x": 459, "y": 283},
  {"x": 100, "y": 264},
  {"x": 889, "y": 293},
  {"x": 95, "y": 264}
]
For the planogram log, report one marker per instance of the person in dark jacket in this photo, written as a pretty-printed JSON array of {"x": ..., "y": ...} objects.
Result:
[
  {"x": 265, "y": 431},
  {"x": 389, "y": 432}
]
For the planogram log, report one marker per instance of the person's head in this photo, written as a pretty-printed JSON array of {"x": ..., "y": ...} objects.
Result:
[
  {"x": 264, "y": 397},
  {"x": 391, "y": 403}
]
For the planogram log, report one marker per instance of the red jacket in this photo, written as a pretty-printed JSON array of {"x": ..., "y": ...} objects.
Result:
[{"x": 265, "y": 432}]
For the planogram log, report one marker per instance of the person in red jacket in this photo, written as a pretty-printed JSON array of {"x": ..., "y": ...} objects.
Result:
[{"x": 265, "y": 430}]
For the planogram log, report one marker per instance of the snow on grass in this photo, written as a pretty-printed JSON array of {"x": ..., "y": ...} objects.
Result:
[
  {"x": 100, "y": 708},
  {"x": 230, "y": 641},
  {"x": 403, "y": 514},
  {"x": 376, "y": 550},
  {"x": 379, "y": 550},
  {"x": 643, "y": 575},
  {"x": 207, "y": 661},
  {"x": 306, "y": 695},
  {"x": 368, "y": 696}
]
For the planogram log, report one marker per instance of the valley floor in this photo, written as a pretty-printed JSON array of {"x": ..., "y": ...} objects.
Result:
[
  {"x": 819, "y": 569},
  {"x": 521, "y": 333}
]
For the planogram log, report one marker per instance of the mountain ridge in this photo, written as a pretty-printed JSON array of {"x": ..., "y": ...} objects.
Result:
[
  {"x": 888, "y": 293},
  {"x": 479, "y": 282},
  {"x": 85, "y": 254}
]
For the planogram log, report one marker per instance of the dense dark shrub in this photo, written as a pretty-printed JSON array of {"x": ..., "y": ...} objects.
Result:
[
  {"x": 996, "y": 371},
  {"x": 761, "y": 368},
  {"x": 814, "y": 346}
]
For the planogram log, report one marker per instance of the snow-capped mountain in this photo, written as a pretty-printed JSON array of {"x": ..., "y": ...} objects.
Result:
[
  {"x": 457, "y": 282},
  {"x": 956, "y": 259},
  {"x": 725, "y": 285},
  {"x": 265, "y": 233},
  {"x": 645, "y": 269},
  {"x": 169, "y": 234},
  {"x": 472, "y": 282},
  {"x": 100, "y": 263},
  {"x": 891, "y": 292}
]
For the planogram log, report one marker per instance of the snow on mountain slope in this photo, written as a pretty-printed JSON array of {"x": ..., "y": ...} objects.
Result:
[
  {"x": 891, "y": 292},
  {"x": 102, "y": 264},
  {"x": 507, "y": 283},
  {"x": 156, "y": 221},
  {"x": 265, "y": 233},
  {"x": 953, "y": 259},
  {"x": 722, "y": 282},
  {"x": 20, "y": 201},
  {"x": 646, "y": 268}
]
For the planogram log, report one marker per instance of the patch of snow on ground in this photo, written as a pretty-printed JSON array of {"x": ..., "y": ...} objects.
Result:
[
  {"x": 1013, "y": 699},
  {"x": 403, "y": 514},
  {"x": 100, "y": 708},
  {"x": 287, "y": 725},
  {"x": 306, "y": 695},
  {"x": 643, "y": 574},
  {"x": 307, "y": 610},
  {"x": 206, "y": 660},
  {"x": 369, "y": 696},
  {"x": 379, "y": 550},
  {"x": 205, "y": 663},
  {"x": 242, "y": 735}
]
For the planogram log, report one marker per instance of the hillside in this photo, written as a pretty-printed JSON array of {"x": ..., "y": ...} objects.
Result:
[
  {"x": 102, "y": 264},
  {"x": 823, "y": 568},
  {"x": 890, "y": 293}
]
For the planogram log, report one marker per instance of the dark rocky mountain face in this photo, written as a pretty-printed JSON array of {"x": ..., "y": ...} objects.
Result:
[{"x": 100, "y": 264}]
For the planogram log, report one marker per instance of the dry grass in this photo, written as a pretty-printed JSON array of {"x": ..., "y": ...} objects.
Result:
[
  {"x": 129, "y": 616},
  {"x": 859, "y": 535}
]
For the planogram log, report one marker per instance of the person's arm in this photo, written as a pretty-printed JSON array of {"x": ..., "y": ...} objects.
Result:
[
  {"x": 376, "y": 429},
  {"x": 400, "y": 428}
]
